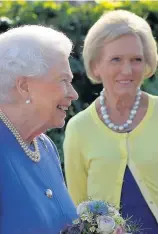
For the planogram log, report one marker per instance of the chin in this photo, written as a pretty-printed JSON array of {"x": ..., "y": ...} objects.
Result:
[
  {"x": 125, "y": 92},
  {"x": 59, "y": 124}
]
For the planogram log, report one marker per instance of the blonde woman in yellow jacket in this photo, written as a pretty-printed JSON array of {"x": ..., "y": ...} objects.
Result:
[{"x": 111, "y": 148}]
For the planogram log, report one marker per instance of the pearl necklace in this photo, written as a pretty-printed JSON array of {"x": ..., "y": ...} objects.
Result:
[
  {"x": 33, "y": 155},
  {"x": 132, "y": 114}
]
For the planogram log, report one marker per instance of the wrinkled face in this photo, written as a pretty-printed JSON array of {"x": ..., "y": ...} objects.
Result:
[
  {"x": 122, "y": 65},
  {"x": 52, "y": 95}
]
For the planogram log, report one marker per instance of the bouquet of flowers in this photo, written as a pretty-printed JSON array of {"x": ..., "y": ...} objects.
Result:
[{"x": 98, "y": 217}]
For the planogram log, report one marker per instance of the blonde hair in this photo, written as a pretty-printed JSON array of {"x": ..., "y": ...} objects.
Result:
[{"x": 113, "y": 25}]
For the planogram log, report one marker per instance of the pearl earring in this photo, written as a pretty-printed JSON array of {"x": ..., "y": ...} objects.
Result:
[{"x": 28, "y": 101}]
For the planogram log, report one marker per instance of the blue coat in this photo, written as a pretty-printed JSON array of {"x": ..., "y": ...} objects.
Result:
[{"x": 24, "y": 206}]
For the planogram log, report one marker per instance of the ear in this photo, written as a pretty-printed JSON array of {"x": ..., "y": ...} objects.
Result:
[
  {"x": 22, "y": 86},
  {"x": 95, "y": 68}
]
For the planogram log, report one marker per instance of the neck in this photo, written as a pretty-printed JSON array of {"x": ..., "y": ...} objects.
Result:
[
  {"x": 122, "y": 118},
  {"x": 26, "y": 122},
  {"x": 120, "y": 104}
]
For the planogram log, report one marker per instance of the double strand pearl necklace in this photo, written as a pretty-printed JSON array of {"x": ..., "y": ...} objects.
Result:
[
  {"x": 132, "y": 114},
  {"x": 33, "y": 155}
]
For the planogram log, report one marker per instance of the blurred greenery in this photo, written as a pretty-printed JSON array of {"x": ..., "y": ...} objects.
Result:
[{"x": 75, "y": 21}]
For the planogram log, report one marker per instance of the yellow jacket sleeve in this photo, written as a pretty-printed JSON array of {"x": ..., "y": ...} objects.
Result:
[{"x": 75, "y": 171}]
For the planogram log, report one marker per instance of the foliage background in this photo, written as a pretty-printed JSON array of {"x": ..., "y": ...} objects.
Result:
[{"x": 75, "y": 20}]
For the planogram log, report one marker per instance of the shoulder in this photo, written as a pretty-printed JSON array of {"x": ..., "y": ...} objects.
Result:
[
  {"x": 152, "y": 110},
  {"x": 49, "y": 142},
  {"x": 153, "y": 100},
  {"x": 153, "y": 97},
  {"x": 82, "y": 119}
]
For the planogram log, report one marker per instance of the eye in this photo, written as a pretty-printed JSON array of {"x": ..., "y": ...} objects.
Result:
[
  {"x": 138, "y": 59},
  {"x": 64, "y": 80},
  {"x": 116, "y": 59}
]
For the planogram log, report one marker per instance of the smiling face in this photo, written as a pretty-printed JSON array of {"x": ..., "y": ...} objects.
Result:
[
  {"x": 121, "y": 66},
  {"x": 52, "y": 95}
]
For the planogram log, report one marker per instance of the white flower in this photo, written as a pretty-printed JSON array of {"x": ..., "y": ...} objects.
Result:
[
  {"x": 84, "y": 217},
  {"x": 98, "y": 230},
  {"x": 92, "y": 229},
  {"x": 106, "y": 224},
  {"x": 113, "y": 211},
  {"x": 89, "y": 219},
  {"x": 82, "y": 208}
]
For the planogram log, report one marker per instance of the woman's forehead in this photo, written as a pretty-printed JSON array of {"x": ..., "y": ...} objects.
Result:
[{"x": 125, "y": 45}]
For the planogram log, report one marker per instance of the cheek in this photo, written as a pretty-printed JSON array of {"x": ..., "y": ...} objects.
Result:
[
  {"x": 56, "y": 96},
  {"x": 139, "y": 68},
  {"x": 106, "y": 70},
  {"x": 44, "y": 100},
  {"x": 112, "y": 73},
  {"x": 64, "y": 90},
  {"x": 138, "y": 71},
  {"x": 53, "y": 94}
]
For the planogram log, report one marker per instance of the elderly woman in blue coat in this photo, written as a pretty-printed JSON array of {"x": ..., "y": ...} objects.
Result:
[{"x": 35, "y": 92}]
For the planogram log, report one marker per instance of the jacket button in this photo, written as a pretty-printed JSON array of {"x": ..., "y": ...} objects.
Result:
[{"x": 49, "y": 193}]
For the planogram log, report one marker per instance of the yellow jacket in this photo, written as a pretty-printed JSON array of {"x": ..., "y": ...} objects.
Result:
[{"x": 96, "y": 157}]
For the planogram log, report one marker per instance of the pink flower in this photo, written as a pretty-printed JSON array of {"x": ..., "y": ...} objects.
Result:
[{"x": 119, "y": 230}]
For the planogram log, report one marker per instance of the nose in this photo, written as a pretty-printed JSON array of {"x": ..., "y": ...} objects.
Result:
[
  {"x": 73, "y": 95},
  {"x": 126, "y": 69}
]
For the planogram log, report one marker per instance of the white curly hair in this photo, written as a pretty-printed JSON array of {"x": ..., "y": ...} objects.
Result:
[{"x": 30, "y": 50}]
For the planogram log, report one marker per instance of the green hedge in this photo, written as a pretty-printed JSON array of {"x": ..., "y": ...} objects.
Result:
[{"x": 75, "y": 21}]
